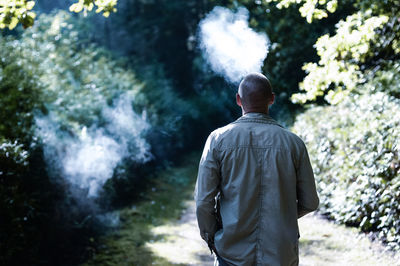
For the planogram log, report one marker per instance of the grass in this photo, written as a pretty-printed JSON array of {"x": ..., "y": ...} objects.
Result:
[
  {"x": 181, "y": 243},
  {"x": 161, "y": 229},
  {"x": 325, "y": 243},
  {"x": 163, "y": 202}
]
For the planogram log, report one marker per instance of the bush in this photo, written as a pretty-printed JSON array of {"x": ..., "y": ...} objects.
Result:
[
  {"x": 61, "y": 90},
  {"x": 354, "y": 147},
  {"x": 52, "y": 73},
  {"x": 15, "y": 207}
]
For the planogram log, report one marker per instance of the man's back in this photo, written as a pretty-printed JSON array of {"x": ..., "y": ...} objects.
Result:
[{"x": 265, "y": 181}]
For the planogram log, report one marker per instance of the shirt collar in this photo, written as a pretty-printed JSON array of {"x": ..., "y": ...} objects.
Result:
[{"x": 258, "y": 117}]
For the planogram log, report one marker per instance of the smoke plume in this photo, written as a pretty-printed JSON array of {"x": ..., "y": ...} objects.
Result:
[
  {"x": 229, "y": 45},
  {"x": 88, "y": 159}
]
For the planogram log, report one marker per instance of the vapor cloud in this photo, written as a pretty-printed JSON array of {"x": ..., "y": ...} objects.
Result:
[
  {"x": 229, "y": 45},
  {"x": 88, "y": 160}
]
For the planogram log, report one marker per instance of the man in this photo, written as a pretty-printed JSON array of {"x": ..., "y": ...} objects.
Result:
[{"x": 254, "y": 181}]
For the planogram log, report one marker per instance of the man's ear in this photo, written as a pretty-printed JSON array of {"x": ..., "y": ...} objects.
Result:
[
  {"x": 272, "y": 99},
  {"x": 238, "y": 100}
]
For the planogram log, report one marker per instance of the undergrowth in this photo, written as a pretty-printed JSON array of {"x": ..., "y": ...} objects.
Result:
[{"x": 162, "y": 201}]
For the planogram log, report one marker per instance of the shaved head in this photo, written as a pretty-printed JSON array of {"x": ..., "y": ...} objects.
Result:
[{"x": 255, "y": 93}]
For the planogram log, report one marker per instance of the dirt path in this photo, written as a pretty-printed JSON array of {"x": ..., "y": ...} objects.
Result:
[
  {"x": 161, "y": 229},
  {"x": 321, "y": 243},
  {"x": 180, "y": 241},
  {"x": 325, "y": 243}
]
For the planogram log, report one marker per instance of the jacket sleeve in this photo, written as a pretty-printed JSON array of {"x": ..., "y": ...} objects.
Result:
[
  {"x": 307, "y": 197},
  {"x": 207, "y": 184}
]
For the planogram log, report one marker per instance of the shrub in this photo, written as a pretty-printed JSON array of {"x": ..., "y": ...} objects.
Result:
[
  {"x": 354, "y": 147},
  {"x": 52, "y": 71}
]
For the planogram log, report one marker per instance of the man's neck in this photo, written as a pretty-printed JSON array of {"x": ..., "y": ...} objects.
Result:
[{"x": 255, "y": 111}]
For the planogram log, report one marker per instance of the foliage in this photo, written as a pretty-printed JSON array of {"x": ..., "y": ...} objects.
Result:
[
  {"x": 20, "y": 90},
  {"x": 105, "y": 6},
  {"x": 161, "y": 201},
  {"x": 76, "y": 77},
  {"x": 354, "y": 147},
  {"x": 51, "y": 69},
  {"x": 158, "y": 38},
  {"x": 148, "y": 31},
  {"x": 342, "y": 59},
  {"x": 54, "y": 70},
  {"x": 28, "y": 219},
  {"x": 159, "y": 33},
  {"x": 291, "y": 44},
  {"x": 363, "y": 43},
  {"x": 354, "y": 142},
  {"x": 311, "y": 9},
  {"x": 14, "y": 162},
  {"x": 13, "y": 12},
  {"x": 19, "y": 185}
]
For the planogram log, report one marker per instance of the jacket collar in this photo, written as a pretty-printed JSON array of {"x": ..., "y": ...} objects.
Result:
[{"x": 257, "y": 118}]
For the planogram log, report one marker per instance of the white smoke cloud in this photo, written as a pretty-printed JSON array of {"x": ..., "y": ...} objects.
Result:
[
  {"x": 89, "y": 160},
  {"x": 229, "y": 45}
]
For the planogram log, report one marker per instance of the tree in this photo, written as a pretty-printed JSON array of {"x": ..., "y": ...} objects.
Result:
[
  {"x": 366, "y": 44},
  {"x": 310, "y": 9},
  {"x": 353, "y": 137},
  {"x": 13, "y": 12}
]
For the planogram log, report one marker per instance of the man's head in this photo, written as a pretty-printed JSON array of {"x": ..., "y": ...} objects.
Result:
[{"x": 255, "y": 94}]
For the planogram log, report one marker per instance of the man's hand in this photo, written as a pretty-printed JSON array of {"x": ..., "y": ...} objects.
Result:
[{"x": 212, "y": 248}]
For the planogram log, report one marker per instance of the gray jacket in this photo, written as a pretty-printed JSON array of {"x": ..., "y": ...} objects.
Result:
[{"x": 263, "y": 178}]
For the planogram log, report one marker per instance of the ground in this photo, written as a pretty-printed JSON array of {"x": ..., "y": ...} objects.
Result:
[
  {"x": 162, "y": 230},
  {"x": 322, "y": 243}
]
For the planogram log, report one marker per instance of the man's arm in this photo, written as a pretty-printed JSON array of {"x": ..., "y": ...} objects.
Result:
[
  {"x": 206, "y": 189},
  {"x": 307, "y": 197}
]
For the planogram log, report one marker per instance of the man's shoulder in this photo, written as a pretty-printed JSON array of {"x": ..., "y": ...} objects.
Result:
[
  {"x": 223, "y": 131},
  {"x": 292, "y": 135},
  {"x": 267, "y": 134}
]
